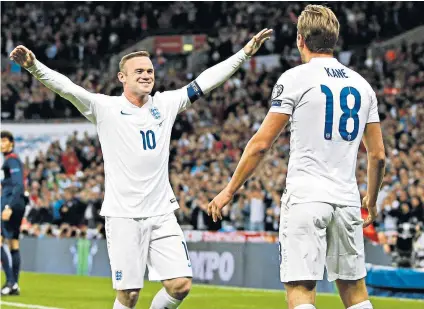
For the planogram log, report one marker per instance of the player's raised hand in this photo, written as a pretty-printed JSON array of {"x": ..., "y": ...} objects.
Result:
[
  {"x": 214, "y": 207},
  {"x": 22, "y": 56},
  {"x": 372, "y": 211},
  {"x": 256, "y": 42}
]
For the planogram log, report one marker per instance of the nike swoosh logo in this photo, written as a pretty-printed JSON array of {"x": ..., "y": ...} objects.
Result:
[{"x": 122, "y": 113}]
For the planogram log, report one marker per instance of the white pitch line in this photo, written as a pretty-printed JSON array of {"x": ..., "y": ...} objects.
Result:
[{"x": 30, "y": 306}]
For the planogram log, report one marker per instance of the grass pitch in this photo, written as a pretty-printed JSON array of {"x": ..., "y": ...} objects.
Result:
[{"x": 45, "y": 291}]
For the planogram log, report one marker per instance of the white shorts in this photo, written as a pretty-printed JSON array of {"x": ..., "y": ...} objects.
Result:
[
  {"x": 314, "y": 235},
  {"x": 157, "y": 242}
]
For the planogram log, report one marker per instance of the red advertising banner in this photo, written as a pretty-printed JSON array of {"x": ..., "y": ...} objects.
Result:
[
  {"x": 176, "y": 44},
  {"x": 234, "y": 237},
  {"x": 256, "y": 237},
  {"x": 169, "y": 44},
  {"x": 199, "y": 41}
]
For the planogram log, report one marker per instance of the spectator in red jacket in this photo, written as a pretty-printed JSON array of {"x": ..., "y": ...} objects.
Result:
[{"x": 70, "y": 161}]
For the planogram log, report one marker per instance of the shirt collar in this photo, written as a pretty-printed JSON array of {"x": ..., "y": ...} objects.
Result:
[
  {"x": 130, "y": 105},
  {"x": 323, "y": 59}
]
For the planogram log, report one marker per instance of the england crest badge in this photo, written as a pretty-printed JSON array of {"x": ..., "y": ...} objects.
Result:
[
  {"x": 155, "y": 112},
  {"x": 118, "y": 275}
]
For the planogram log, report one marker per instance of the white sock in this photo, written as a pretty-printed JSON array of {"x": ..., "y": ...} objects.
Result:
[
  {"x": 118, "y": 305},
  {"x": 163, "y": 300},
  {"x": 305, "y": 306},
  {"x": 364, "y": 305}
]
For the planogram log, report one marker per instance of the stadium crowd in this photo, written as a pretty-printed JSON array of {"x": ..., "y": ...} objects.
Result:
[
  {"x": 66, "y": 186},
  {"x": 77, "y": 33},
  {"x": 76, "y": 38}
]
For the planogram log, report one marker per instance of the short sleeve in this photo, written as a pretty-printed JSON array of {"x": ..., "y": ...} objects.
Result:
[
  {"x": 373, "y": 113},
  {"x": 284, "y": 95}
]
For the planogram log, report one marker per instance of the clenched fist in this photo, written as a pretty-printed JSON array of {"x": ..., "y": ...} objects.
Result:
[{"x": 23, "y": 56}]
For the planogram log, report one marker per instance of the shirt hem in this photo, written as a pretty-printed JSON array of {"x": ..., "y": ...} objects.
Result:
[
  {"x": 294, "y": 200},
  {"x": 132, "y": 215},
  {"x": 280, "y": 110}
]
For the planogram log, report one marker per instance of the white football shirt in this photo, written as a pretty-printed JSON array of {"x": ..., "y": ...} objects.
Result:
[
  {"x": 329, "y": 105},
  {"x": 135, "y": 144}
]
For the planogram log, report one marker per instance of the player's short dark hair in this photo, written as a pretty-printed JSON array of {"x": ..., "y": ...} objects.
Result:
[
  {"x": 8, "y": 135},
  {"x": 319, "y": 27}
]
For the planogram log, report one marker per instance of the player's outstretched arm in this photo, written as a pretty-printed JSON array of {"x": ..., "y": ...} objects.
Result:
[
  {"x": 252, "y": 156},
  {"x": 373, "y": 141},
  {"x": 221, "y": 72},
  {"x": 63, "y": 86}
]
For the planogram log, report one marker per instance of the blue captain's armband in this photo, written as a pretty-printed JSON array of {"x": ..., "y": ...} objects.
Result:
[{"x": 193, "y": 91}]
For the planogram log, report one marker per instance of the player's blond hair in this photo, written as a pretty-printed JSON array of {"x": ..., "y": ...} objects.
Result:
[
  {"x": 319, "y": 27},
  {"x": 124, "y": 59}
]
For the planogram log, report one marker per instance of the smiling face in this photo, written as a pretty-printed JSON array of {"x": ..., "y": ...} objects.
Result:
[{"x": 137, "y": 75}]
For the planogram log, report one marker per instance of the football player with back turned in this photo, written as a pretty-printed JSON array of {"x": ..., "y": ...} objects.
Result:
[{"x": 331, "y": 108}]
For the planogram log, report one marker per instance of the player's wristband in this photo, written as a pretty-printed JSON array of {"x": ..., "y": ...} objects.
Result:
[
  {"x": 193, "y": 91},
  {"x": 7, "y": 207}
]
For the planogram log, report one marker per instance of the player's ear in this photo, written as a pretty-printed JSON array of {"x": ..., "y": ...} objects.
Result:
[
  {"x": 121, "y": 77},
  {"x": 300, "y": 41}
]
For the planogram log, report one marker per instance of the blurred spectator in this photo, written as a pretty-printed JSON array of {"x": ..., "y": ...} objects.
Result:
[
  {"x": 238, "y": 213},
  {"x": 199, "y": 216},
  {"x": 70, "y": 36},
  {"x": 256, "y": 207},
  {"x": 72, "y": 209},
  {"x": 70, "y": 162},
  {"x": 40, "y": 214}
]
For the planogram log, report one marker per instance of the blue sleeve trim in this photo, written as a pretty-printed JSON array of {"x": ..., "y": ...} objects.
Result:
[{"x": 194, "y": 92}]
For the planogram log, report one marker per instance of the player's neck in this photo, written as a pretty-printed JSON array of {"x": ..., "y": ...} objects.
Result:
[
  {"x": 6, "y": 153},
  {"x": 138, "y": 101},
  {"x": 309, "y": 56}
]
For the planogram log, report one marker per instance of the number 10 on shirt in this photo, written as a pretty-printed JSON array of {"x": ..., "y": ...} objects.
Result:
[{"x": 149, "y": 140}]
